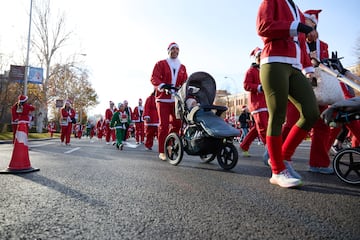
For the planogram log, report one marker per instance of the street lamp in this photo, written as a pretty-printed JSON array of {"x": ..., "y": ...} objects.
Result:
[{"x": 28, "y": 51}]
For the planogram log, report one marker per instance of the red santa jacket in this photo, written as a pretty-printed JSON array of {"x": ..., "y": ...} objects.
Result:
[
  {"x": 66, "y": 116},
  {"x": 277, "y": 23},
  {"x": 108, "y": 115},
  {"x": 150, "y": 112},
  {"x": 163, "y": 74},
  {"x": 51, "y": 127},
  {"x": 138, "y": 114},
  {"x": 99, "y": 125},
  {"x": 24, "y": 113},
  {"x": 252, "y": 84}
]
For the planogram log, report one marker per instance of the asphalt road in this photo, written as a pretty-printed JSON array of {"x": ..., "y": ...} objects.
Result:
[{"x": 90, "y": 190}]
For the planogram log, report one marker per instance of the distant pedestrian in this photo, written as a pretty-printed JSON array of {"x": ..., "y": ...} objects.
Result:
[
  {"x": 66, "y": 121},
  {"x": 118, "y": 122},
  {"x": 244, "y": 120},
  {"x": 109, "y": 133},
  {"x": 100, "y": 128},
  {"x": 51, "y": 128},
  {"x": 138, "y": 120},
  {"x": 257, "y": 105},
  {"x": 151, "y": 121}
]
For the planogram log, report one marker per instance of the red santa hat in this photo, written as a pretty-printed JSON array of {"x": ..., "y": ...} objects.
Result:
[
  {"x": 23, "y": 98},
  {"x": 313, "y": 15},
  {"x": 244, "y": 107},
  {"x": 256, "y": 52},
  {"x": 172, "y": 45}
]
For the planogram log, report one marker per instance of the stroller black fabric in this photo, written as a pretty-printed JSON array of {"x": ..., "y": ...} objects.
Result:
[
  {"x": 214, "y": 125},
  {"x": 202, "y": 87}
]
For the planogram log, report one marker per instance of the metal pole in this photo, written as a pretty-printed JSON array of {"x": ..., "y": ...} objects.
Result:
[{"x": 28, "y": 51}]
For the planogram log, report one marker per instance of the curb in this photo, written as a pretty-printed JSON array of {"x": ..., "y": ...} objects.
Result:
[{"x": 30, "y": 140}]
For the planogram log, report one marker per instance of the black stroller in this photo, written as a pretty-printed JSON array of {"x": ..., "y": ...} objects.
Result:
[
  {"x": 346, "y": 163},
  {"x": 204, "y": 133}
]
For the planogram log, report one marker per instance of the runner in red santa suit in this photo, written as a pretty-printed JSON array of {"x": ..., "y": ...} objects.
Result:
[
  {"x": 319, "y": 159},
  {"x": 284, "y": 61},
  {"x": 100, "y": 128},
  {"x": 166, "y": 73},
  {"x": 109, "y": 133},
  {"x": 128, "y": 126},
  {"x": 151, "y": 119},
  {"x": 51, "y": 128},
  {"x": 137, "y": 118},
  {"x": 67, "y": 116},
  {"x": 257, "y": 104}
]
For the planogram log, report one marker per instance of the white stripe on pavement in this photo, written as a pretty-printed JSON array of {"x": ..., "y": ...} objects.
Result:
[{"x": 72, "y": 150}]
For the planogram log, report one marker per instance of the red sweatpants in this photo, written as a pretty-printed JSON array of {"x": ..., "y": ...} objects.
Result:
[
  {"x": 66, "y": 133},
  {"x": 167, "y": 122}
]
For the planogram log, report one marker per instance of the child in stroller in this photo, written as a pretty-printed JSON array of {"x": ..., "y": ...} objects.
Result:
[
  {"x": 346, "y": 162},
  {"x": 204, "y": 133}
]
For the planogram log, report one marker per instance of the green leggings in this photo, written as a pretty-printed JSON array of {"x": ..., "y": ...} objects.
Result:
[
  {"x": 281, "y": 82},
  {"x": 120, "y": 132}
]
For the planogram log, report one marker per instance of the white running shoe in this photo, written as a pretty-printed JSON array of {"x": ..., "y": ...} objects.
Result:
[
  {"x": 285, "y": 180},
  {"x": 162, "y": 156}
]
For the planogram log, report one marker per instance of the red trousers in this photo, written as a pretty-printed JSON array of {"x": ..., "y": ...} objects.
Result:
[
  {"x": 66, "y": 133},
  {"x": 354, "y": 128},
  {"x": 109, "y": 133},
  {"x": 319, "y": 150},
  {"x": 167, "y": 122},
  {"x": 139, "y": 132},
  {"x": 150, "y": 134},
  {"x": 258, "y": 130}
]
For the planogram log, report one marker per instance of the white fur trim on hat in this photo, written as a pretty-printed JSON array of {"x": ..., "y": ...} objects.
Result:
[
  {"x": 23, "y": 98},
  {"x": 171, "y": 45}
]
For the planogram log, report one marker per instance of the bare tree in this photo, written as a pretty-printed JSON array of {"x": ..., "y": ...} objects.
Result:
[{"x": 47, "y": 40}]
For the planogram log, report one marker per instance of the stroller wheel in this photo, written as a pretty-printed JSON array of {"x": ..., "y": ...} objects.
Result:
[
  {"x": 174, "y": 149},
  {"x": 228, "y": 156},
  {"x": 347, "y": 165},
  {"x": 208, "y": 157}
]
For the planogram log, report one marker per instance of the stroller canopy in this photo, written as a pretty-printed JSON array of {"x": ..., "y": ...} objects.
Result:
[{"x": 201, "y": 85}]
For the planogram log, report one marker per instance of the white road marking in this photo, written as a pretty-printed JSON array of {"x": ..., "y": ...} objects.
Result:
[{"x": 72, "y": 150}]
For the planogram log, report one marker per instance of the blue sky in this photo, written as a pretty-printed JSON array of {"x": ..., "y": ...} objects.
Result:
[{"x": 123, "y": 39}]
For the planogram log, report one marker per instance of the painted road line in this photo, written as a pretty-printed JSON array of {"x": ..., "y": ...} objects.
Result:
[{"x": 72, "y": 150}]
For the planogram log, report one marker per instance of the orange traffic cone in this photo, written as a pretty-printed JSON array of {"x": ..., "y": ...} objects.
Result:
[{"x": 20, "y": 162}]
